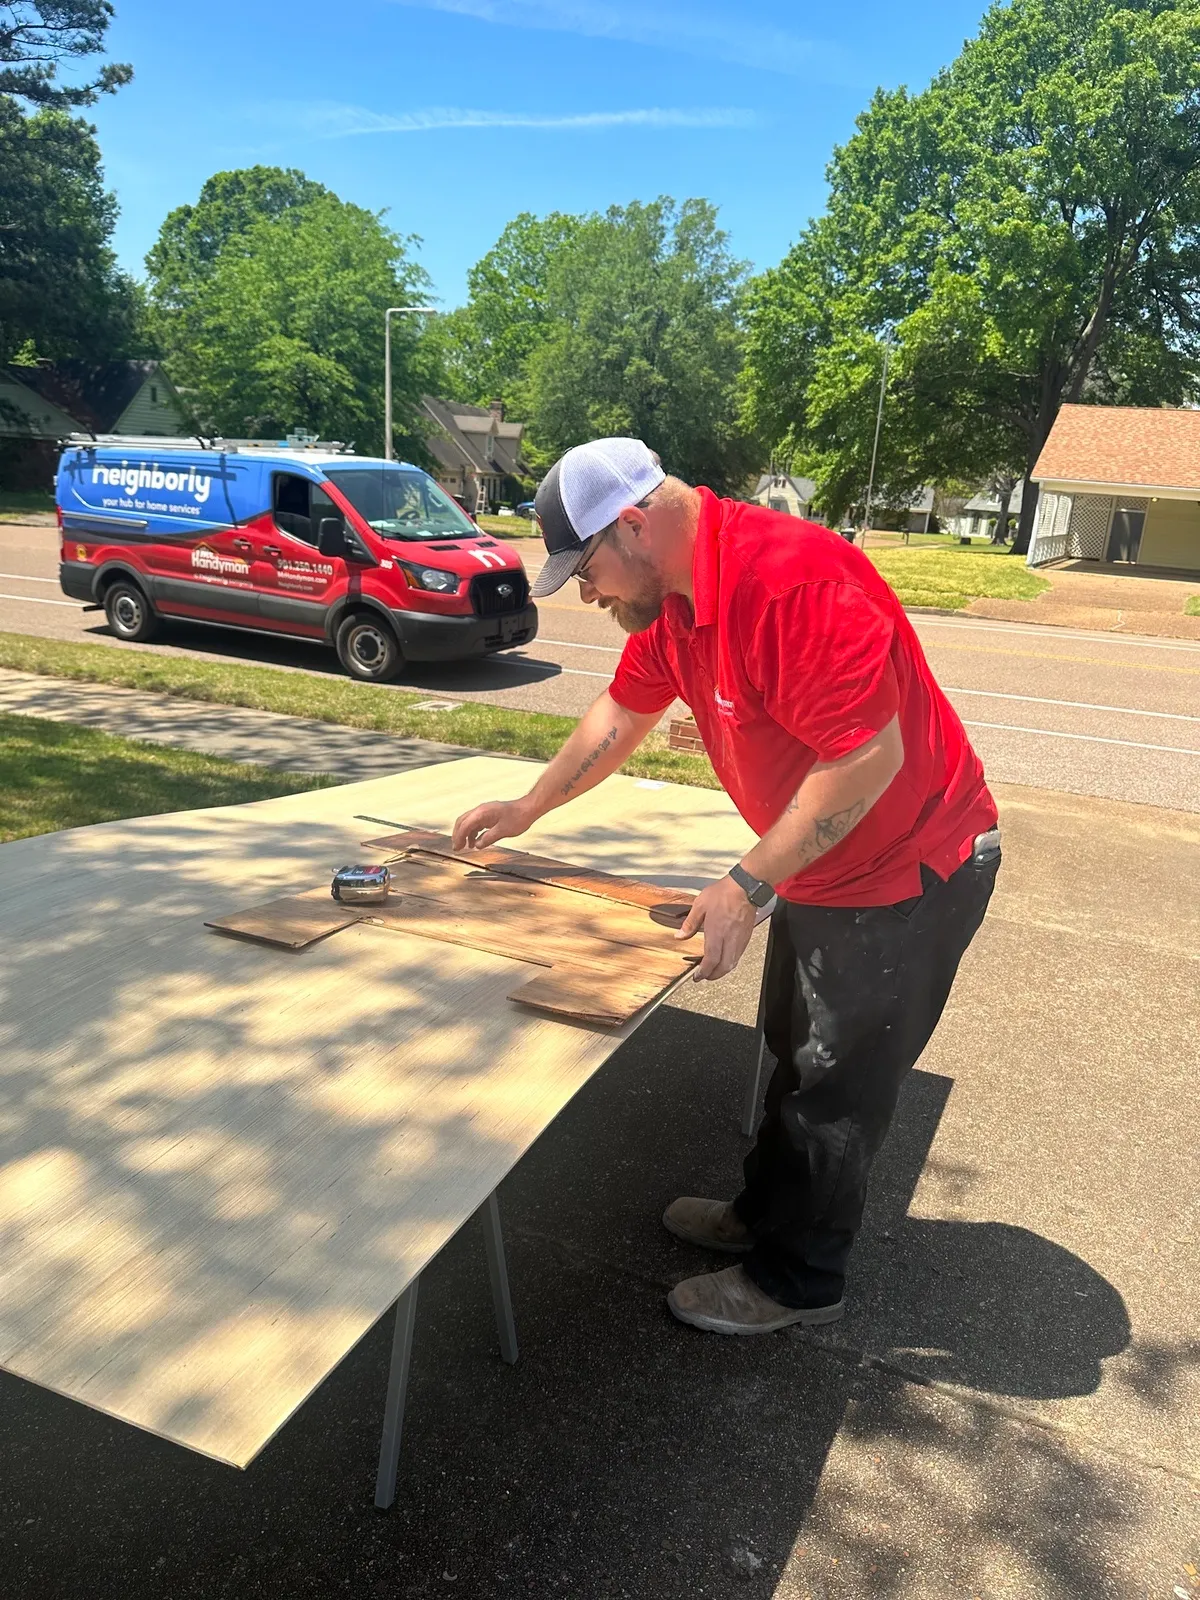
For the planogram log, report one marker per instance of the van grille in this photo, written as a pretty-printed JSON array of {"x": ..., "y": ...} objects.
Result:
[{"x": 489, "y": 601}]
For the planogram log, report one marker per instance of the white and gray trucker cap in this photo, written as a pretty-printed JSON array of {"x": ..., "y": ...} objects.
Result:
[{"x": 584, "y": 491}]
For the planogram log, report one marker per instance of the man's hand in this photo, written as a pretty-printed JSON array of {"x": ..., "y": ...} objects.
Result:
[
  {"x": 496, "y": 819},
  {"x": 727, "y": 918}
]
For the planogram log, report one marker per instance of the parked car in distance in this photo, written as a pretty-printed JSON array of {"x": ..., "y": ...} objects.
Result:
[
  {"x": 525, "y": 509},
  {"x": 368, "y": 556}
]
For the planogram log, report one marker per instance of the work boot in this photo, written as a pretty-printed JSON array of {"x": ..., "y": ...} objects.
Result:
[
  {"x": 711, "y": 1223},
  {"x": 730, "y": 1301}
]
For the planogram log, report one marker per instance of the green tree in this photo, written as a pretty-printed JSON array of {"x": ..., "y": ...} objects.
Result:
[
  {"x": 488, "y": 342},
  {"x": 60, "y": 291},
  {"x": 36, "y": 35},
  {"x": 268, "y": 299},
  {"x": 1028, "y": 226}
]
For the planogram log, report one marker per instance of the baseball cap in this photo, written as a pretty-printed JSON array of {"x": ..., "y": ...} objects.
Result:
[{"x": 585, "y": 490}]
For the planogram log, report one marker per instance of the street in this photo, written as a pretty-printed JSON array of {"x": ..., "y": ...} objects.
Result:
[{"x": 1085, "y": 713}]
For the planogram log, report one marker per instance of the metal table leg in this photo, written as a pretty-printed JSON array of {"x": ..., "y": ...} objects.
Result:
[
  {"x": 393, "y": 1411},
  {"x": 493, "y": 1243},
  {"x": 750, "y": 1114}
]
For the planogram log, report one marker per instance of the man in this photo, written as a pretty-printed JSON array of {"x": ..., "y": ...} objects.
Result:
[{"x": 876, "y": 830}]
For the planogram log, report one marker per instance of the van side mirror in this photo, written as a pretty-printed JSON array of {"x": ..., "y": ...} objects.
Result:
[{"x": 331, "y": 539}]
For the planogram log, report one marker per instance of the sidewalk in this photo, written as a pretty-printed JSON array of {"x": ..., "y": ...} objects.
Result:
[
  {"x": 233, "y": 732},
  {"x": 1101, "y": 597}
]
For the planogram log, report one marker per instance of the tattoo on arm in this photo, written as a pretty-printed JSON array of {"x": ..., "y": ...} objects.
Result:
[
  {"x": 588, "y": 762},
  {"x": 826, "y": 831},
  {"x": 830, "y": 830}
]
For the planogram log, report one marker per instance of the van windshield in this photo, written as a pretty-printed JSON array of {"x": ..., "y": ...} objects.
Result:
[{"x": 401, "y": 504}]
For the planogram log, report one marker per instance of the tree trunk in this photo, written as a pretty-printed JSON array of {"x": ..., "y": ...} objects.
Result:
[
  {"x": 1029, "y": 501},
  {"x": 1000, "y": 532}
]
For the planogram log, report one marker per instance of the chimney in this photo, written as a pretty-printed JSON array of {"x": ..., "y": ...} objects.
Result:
[{"x": 496, "y": 407}]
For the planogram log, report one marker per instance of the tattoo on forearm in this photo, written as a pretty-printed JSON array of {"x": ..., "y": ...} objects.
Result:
[
  {"x": 826, "y": 831},
  {"x": 830, "y": 830},
  {"x": 589, "y": 762}
]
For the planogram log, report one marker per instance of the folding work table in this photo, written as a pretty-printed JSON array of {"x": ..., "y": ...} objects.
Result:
[{"x": 220, "y": 1165}]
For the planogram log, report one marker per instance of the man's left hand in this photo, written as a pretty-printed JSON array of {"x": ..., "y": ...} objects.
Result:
[{"x": 727, "y": 918}]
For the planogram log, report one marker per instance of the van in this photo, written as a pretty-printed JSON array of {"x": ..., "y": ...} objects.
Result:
[{"x": 368, "y": 556}]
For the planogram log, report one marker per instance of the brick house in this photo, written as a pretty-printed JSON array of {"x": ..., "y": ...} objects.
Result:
[{"x": 478, "y": 452}]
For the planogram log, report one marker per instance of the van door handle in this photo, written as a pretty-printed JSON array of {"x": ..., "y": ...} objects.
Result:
[
  {"x": 272, "y": 550},
  {"x": 242, "y": 544}
]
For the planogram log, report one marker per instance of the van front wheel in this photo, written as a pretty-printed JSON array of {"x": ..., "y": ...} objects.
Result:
[
  {"x": 368, "y": 649},
  {"x": 130, "y": 615}
]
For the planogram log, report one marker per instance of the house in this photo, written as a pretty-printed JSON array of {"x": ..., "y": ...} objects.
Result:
[
  {"x": 1122, "y": 484},
  {"x": 778, "y": 492},
  {"x": 41, "y": 405},
  {"x": 478, "y": 453},
  {"x": 981, "y": 512}
]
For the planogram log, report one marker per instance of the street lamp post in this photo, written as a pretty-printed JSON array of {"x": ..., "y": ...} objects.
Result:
[
  {"x": 887, "y": 356},
  {"x": 394, "y": 311}
]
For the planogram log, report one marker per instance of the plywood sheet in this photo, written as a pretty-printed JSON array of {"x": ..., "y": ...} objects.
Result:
[
  {"x": 220, "y": 1164},
  {"x": 295, "y": 922}
]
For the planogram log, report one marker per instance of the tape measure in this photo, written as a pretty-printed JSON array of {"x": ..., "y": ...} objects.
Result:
[{"x": 361, "y": 885}]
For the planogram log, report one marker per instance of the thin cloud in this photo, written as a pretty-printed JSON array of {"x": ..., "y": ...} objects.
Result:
[
  {"x": 342, "y": 122},
  {"x": 740, "y": 41}
]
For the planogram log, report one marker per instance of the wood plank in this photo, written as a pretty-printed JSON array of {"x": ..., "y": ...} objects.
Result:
[
  {"x": 539, "y": 869},
  {"x": 605, "y": 999},
  {"x": 295, "y": 922}
]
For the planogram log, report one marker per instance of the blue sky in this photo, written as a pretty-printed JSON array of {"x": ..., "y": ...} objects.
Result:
[{"x": 454, "y": 115}]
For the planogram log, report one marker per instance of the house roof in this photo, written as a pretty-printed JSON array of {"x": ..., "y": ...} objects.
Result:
[
  {"x": 1123, "y": 445},
  {"x": 803, "y": 488},
  {"x": 462, "y": 434},
  {"x": 988, "y": 504},
  {"x": 94, "y": 393}
]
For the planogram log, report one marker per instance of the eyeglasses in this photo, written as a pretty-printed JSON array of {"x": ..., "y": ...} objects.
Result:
[{"x": 581, "y": 571}]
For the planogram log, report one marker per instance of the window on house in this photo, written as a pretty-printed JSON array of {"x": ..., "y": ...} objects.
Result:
[{"x": 153, "y": 394}]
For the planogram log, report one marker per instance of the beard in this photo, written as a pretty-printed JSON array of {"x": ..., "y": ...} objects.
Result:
[{"x": 643, "y": 609}]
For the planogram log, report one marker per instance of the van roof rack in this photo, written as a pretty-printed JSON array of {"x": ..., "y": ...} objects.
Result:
[{"x": 129, "y": 441}]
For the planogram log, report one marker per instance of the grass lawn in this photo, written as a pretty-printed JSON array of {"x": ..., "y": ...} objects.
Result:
[
  {"x": 54, "y": 775},
  {"x": 509, "y": 527},
  {"x": 1191, "y": 607},
  {"x": 16, "y": 504},
  {"x": 338, "y": 700},
  {"x": 951, "y": 577}
]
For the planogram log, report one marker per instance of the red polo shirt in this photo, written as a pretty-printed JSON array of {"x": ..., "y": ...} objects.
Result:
[{"x": 799, "y": 652}]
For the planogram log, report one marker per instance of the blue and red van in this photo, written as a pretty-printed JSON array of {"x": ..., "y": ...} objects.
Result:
[{"x": 366, "y": 555}]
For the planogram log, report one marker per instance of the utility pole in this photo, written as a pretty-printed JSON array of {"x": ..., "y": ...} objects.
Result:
[
  {"x": 394, "y": 311},
  {"x": 887, "y": 356}
]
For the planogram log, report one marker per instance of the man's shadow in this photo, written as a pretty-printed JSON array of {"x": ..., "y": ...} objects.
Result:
[{"x": 986, "y": 1305}]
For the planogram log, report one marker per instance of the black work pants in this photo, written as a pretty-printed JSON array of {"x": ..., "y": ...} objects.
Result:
[{"x": 853, "y": 995}]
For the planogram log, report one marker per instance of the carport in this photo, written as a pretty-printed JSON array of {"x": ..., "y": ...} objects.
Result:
[{"x": 1120, "y": 484}]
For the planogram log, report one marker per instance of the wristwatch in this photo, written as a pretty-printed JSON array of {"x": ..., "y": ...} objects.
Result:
[{"x": 755, "y": 890}]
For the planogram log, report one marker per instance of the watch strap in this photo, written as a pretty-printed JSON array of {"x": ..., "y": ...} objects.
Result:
[{"x": 756, "y": 890}]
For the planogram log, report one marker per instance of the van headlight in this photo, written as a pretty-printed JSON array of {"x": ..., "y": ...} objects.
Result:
[{"x": 434, "y": 578}]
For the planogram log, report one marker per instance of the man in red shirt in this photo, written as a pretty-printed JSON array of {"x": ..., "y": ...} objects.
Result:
[{"x": 876, "y": 830}]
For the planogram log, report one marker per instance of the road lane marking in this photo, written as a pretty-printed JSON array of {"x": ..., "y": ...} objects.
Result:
[
  {"x": 1074, "y": 705},
  {"x": 24, "y": 577},
  {"x": 982, "y": 626},
  {"x": 1088, "y": 738},
  {"x": 569, "y": 644},
  {"x": 1075, "y": 661},
  {"x": 36, "y": 600}
]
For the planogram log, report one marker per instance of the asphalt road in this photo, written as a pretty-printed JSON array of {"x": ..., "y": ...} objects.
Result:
[{"x": 1085, "y": 713}]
